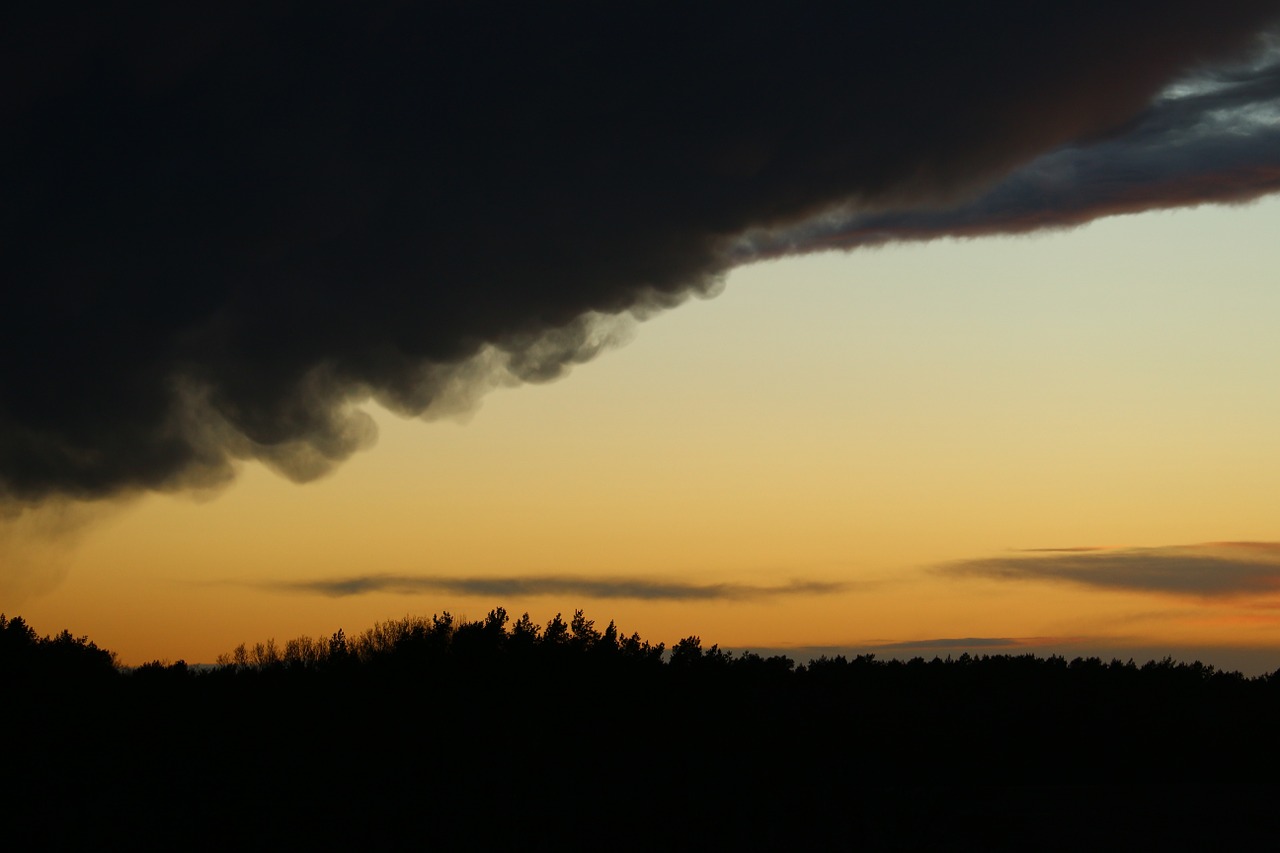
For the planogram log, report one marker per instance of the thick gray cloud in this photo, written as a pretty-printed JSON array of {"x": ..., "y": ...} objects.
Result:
[
  {"x": 1212, "y": 570},
  {"x": 223, "y": 227},
  {"x": 586, "y": 587}
]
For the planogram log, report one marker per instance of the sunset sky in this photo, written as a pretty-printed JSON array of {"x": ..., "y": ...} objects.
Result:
[{"x": 955, "y": 431}]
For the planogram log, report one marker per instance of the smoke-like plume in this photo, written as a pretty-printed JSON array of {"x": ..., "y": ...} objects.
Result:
[
  {"x": 225, "y": 228},
  {"x": 36, "y": 546}
]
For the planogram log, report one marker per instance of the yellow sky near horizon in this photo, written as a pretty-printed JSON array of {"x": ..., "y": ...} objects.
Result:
[{"x": 854, "y": 419}]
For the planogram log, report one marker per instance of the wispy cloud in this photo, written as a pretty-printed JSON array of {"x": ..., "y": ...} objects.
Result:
[
  {"x": 646, "y": 589},
  {"x": 1209, "y": 570}
]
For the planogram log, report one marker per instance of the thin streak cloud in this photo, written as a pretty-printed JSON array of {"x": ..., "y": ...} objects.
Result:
[
  {"x": 538, "y": 585},
  {"x": 1075, "y": 550},
  {"x": 963, "y": 643},
  {"x": 1217, "y": 570}
]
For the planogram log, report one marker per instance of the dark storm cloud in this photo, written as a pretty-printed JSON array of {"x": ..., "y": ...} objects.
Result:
[
  {"x": 1212, "y": 570},
  {"x": 634, "y": 588},
  {"x": 226, "y": 226}
]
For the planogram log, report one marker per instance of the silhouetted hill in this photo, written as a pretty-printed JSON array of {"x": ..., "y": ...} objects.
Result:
[{"x": 431, "y": 731}]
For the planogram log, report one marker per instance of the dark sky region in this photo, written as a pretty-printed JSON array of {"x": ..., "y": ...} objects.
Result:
[{"x": 226, "y": 224}]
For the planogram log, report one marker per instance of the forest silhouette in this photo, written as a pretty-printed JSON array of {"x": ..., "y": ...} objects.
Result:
[{"x": 492, "y": 732}]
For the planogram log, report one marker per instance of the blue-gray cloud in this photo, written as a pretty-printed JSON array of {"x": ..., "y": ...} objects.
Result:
[{"x": 1211, "y": 137}]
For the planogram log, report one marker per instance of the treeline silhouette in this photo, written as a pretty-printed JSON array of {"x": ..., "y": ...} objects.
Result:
[
  {"x": 26, "y": 655},
  {"x": 497, "y": 731}
]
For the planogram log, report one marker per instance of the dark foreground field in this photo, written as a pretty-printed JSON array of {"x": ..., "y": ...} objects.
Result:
[{"x": 491, "y": 735}]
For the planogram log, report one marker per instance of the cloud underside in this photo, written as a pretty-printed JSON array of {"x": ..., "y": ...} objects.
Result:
[
  {"x": 562, "y": 585},
  {"x": 1213, "y": 138},
  {"x": 222, "y": 235},
  {"x": 1221, "y": 570}
]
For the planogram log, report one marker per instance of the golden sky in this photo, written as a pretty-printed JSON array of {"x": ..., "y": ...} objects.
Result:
[{"x": 819, "y": 455}]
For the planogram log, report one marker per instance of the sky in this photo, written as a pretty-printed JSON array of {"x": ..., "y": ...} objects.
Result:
[{"x": 965, "y": 361}]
